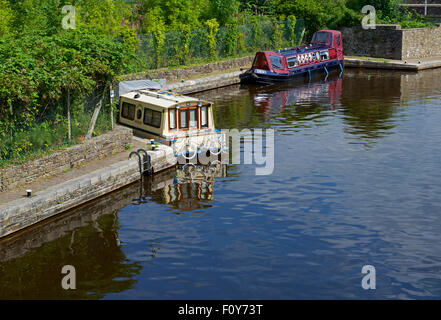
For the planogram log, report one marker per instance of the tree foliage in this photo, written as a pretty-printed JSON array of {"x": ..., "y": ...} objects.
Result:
[
  {"x": 40, "y": 62},
  {"x": 5, "y": 17},
  {"x": 37, "y": 72},
  {"x": 317, "y": 14}
]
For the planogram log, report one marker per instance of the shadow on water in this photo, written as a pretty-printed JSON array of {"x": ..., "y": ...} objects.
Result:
[{"x": 87, "y": 238}]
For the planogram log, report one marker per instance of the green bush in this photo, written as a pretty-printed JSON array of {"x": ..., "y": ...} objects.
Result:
[
  {"x": 317, "y": 14},
  {"x": 36, "y": 74}
]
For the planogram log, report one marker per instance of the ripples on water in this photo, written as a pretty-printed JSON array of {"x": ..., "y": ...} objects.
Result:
[{"x": 356, "y": 182}]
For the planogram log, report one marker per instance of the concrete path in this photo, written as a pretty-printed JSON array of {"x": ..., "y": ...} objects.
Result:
[
  {"x": 42, "y": 184},
  {"x": 377, "y": 63}
]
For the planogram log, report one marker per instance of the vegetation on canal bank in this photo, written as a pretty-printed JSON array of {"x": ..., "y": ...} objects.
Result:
[{"x": 43, "y": 66}]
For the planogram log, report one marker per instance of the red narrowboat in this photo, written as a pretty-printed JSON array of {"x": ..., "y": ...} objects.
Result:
[{"x": 324, "y": 54}]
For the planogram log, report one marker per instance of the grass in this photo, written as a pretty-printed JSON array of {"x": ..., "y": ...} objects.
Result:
[
  {"x": 34, "y": 155},
  {"x": 367, "y": 58}
]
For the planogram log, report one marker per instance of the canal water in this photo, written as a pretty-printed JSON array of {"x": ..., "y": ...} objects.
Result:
[{"x": 356, "y": 181}]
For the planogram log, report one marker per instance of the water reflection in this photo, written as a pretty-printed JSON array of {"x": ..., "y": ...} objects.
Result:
[
  {"x": 367, "y": 101},
  {"x": 271, "y": 98},
  {"x": 88, "y": 238},
  {"x": 305, "y": 231},
  {"x": 188, "y": 188}
]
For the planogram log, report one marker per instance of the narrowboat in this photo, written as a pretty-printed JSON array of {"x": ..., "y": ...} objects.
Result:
[
  {"x": 182, "y": 122},
  {"x": 324, "y": 54}
]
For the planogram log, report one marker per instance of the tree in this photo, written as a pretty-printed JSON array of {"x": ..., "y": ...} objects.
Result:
[
  {"x": 5, "y": 17},
  {"x": 224, "y": 10},
  {"x": 317, "y": 14}
]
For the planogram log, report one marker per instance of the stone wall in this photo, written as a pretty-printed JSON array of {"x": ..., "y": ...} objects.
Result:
[
  {"x": 25, "y": 212},
  {"x": 421, "y": 42},
  {"x": 205, "y": 83},
  {"x": 94, "y": 149},
  {"x": 21, "y": 243},
  {"x": 392, "y": 42},
  {"x": 383, "y": 42},
  {"x": 173, "y": 75}
]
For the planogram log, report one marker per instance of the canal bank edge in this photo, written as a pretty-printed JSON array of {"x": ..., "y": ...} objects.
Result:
[
  {"x": 407, "y": 65},
  {"x": 25, "y": 212},
  {"x": 16, "y": 176}
]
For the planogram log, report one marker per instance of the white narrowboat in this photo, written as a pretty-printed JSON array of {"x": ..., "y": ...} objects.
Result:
[{"x": 183, "y": 122}]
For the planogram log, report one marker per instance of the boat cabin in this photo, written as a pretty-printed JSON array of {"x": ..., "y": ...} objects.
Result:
[
  {"x": 326, "y": 45},
  {"x": 159, "y": 115}
]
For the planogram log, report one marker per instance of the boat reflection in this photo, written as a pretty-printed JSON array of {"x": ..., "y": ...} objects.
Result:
[
  {"x": 278, "y": 97},
  {"x": 186, "y": 188},
  {"x": 88, "y": 239}
]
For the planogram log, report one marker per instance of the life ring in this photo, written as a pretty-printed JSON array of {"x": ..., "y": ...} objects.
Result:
[
  {"x": 184, "y": 153},
  {"x": 218, "y": 148}
]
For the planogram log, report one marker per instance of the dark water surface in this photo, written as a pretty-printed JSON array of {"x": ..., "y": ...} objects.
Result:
[{"x": 357, "y": 181}]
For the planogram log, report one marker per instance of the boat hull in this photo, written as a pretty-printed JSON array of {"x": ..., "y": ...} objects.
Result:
[{"x": 257, "y": 76}]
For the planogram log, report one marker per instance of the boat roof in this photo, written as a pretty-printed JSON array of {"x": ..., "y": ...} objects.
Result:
[
  {"x": 160, "y": 98},
  {"x": 304, "y": 49}
]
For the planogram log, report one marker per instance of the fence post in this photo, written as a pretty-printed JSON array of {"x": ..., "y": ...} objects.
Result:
[
  {"x": 112, "y": 95},
  {"x": 301, "y": 36},
  {"x": 95, "y": 116},
  {"x": 69, "y": 131}
]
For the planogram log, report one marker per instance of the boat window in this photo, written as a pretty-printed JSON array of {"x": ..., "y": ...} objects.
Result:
[
  {"x": 193, "y": 118},
  {"x": 260, "y": 61},
  {"x": 204, "y": 117},
  {"x": 324, "y": 55},
  {"x": 321, "y": 37},
  {"x": 148, "y": 114},
  {"x": 338, "y": 40},
  {"x": 183, "y": 119},
  {"x": 292, "y": 62},
  {"x": 276, "y": 62},
  {"x": 172, "y": 119},
  {"x": 152, "y": 118},
  {"x": 128, "y": 111},
  {"x": 156, "y": 120}
]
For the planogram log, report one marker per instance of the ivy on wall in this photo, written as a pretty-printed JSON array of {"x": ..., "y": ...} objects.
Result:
[{"x": 212, "y": 29}]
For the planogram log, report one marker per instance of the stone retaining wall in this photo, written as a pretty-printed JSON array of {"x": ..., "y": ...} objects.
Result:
[
  {"x": 94, "y": 149},
  {"x": 25, "y": 212},
  {"x": 56, "y": 228},
  {"x": 392, "y": 42},
  {"x": 421, "y": 43},
  {"x": 206, "y": 83},
  {"x": 173, "y": 75}
]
